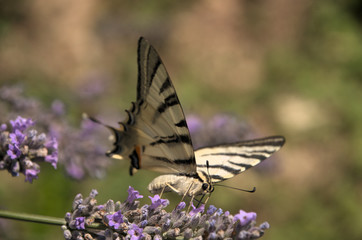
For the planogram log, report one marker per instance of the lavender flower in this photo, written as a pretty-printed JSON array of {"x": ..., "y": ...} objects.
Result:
[
  {"x": 195, "y": 210},
  {"x": 135, "y": 232},
  {"x": 211, "y": 210},
  {"x": 117, "y": 221},
  {"x": 79, "y": 223},
  {"x": 21, "y": 123},
  {"x": 133, "y": 195},
  {"x": 79, "y": 150},
  {"x": 21, "y": 148},
  {"x": 157, "y": 201},
  {"x": 244, "y": 218}
]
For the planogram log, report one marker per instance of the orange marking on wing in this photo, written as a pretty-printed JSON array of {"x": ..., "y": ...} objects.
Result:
[{"x": 138, "y": 151}]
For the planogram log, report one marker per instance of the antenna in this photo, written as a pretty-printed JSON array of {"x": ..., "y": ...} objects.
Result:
[{"x": 240, "y": 189}]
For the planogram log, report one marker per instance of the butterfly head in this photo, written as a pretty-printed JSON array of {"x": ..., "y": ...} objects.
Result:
[{"x": 207, "y": 187}]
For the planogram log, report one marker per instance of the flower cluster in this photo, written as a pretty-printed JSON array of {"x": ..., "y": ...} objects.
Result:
[
  {"x": 127, "y": 220},
  {"x": 79, "y": 150},
  {"x": 21, "y": 148}
]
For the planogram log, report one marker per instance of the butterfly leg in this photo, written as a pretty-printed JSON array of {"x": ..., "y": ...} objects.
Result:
[
  {"x": 188, "y": 189},
  {"x": 200, "y": 201},
  {"x": 207, "y": 199},
  {"x": 172, "y": 188},
  {"x": 163, "y": 189},
  {"x": 191, "y": 203}
]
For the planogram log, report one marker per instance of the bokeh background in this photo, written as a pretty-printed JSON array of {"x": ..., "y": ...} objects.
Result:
[{"x": 292, "y": 68}]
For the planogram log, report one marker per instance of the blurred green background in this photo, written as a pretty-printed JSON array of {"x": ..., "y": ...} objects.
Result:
[{"x": 292, "y": 68}]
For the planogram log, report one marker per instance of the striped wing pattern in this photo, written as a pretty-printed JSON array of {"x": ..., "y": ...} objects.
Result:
[
  {"x": 226, "y": 161},
  {"x": 156, "y": 120}
]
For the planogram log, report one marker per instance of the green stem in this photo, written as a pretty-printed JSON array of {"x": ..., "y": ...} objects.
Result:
[
  {"x": 41, "y": 219},
  {"x": 32, "y": 218}
]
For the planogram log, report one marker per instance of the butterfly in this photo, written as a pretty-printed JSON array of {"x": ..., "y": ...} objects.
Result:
[{"x": 155, "y": 136}]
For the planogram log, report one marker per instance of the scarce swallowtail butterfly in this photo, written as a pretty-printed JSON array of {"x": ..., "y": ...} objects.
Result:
[{"x": 155, "y": 136}]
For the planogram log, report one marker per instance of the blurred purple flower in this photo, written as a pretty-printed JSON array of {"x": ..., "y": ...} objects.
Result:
[
  {"x": 94, "y": 87},
  {"x": 31, "y": 174},
  {"x": 244, "y": 218},
  {"x": 13, "y": 151},
  {"x": 21, "y": 123},
  {"x": 52, "y": 159},
  {"x": 17, "y": 137},
  {"x": 58, "y": 107},
  {"x": 194, "y": 123},
  {"x": 79, "y": 150},
  {"x": 219, "y": 129}
]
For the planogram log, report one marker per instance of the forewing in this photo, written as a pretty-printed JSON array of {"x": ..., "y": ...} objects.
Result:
[
  {"x": 226, "y": 161},
  {"x": 157, "y": 117}
]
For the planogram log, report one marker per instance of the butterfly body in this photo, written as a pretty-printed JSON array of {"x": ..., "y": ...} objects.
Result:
[
  {"x": 182, "y": 184},
  {"x": 155, "y": 136}
]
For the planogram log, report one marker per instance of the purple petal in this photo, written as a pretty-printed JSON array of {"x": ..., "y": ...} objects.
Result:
[
  {"x": 211, "y": 210},
  {"x": 3, "y": 127},
  {"x": 13, "y": 151},
  {"x": 80, "y": 223},
  {"x": 31, "y": 174},
  {"x": 21, "y": 123},
  {"x": 115, "y": 220},
  {"x": 157, "y": 201},
  {"x": 181, "y": 206},
  {"x": 52, "y": 159},
  {"x": 195, "y": 210},
  {"x": 52, "y": 143},
  {"x": 58, "y": 107},
  {"x": 135, "y": 232},
  {"x": 244, "y": 218},
  {"x": 194, "y": 123},
  {"x": 133, "y": 195}
]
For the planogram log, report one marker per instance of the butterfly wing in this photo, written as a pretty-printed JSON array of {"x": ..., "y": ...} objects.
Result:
[
  {"x": 226, "y": 161},
  {"x": 156, "y": 126}
]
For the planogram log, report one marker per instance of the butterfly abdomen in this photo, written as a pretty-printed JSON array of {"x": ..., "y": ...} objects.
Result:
[{"x": 180, "y": 183}]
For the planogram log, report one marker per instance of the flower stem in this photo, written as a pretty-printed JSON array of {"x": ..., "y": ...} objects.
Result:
[{"x": 32, "y": 218}]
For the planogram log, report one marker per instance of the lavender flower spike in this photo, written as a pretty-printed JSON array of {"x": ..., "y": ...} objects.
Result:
[
  {"x": 21, "y": 148},
  {"x": 121, "y": 222}
]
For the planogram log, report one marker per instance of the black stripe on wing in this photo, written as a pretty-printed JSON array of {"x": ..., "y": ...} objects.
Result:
[
  {"x": 187, "y": 161},
  {"x": 169, "y": 101},
  {"x": 166, "y": 84},
  {"x": 182, "y": 123},
  {"x": 223, "y": 167},
  {"x": 172, "y": 139},
  {"x": 253, "y": 156}
]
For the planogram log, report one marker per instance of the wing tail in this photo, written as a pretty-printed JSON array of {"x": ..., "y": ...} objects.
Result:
[{"x": 118, "y": 136}]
